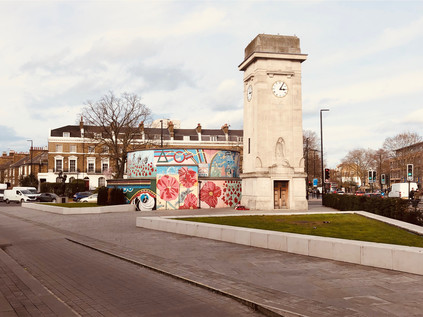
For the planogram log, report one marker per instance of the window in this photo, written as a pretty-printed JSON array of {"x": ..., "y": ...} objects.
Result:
[
  {"x": 59, "y": 165},
  {"x": 104, "y": 166},
  {"x": 73, "y": 148},
  {"x": 66, "y": 134},
  {"x": 101, "y": 182},
  {"x": 239, "y": 138},
  {"x": 91, "y": 149},
  {"x": 91, "y": 167},
  {"x": 59, "y": 148},
  {"x": 213, "y": 138},
  {"x": 72, "y": 165},
  {"x": 105, "y": 149}
]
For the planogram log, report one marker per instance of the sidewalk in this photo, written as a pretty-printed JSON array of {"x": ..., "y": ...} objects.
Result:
[
  {"x": 288, "y": 284},
  {"x": 22, "y": 295}
]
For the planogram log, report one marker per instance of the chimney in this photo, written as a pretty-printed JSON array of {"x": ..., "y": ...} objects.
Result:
[
  {"x": 225, "y": 129},
  {"x": 198, "y": 129},
  {"x": 170, "y": 126},
  {"x": 141, "y": 128},
  {"x": 81, "y": 127}
]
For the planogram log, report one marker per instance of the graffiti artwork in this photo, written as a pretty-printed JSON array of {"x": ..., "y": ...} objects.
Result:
[
  {"x": 212, "y": 163},
  {"x": 177, "y": 187},
  {"x": 220, "y": 194},
  {"x": 174, "y": 175}
]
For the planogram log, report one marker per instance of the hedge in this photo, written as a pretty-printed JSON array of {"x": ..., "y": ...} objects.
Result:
[
  {"x": 395, "y": 208},
  {"x": 57, "y": 188}
]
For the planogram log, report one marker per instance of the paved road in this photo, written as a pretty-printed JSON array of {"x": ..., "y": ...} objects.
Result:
[
  {"x": 95, "y": 284},
  {"x": 280, "y": 281}
]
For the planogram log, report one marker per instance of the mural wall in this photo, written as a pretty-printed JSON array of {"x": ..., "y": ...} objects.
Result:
[
  {"x": 142, "y": 195},
  {"x": 187, "y": 178},
  {"x": 220, "y": 193},
  {"x": 211, "y": 163},
  {"x": 177, "y": 187}
]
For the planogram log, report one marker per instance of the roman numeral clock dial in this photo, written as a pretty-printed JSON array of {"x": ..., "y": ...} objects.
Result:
[{"x": 280, "y": 89}]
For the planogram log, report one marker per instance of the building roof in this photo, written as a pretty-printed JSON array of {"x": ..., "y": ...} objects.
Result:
[{"x": 75, "y": 131}]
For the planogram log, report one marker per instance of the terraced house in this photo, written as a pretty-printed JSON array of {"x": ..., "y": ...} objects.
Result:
[{"x": 15, "y": 165}]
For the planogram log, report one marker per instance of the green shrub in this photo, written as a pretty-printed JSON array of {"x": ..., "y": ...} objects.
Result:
[
  {"x": 394, "y": 208},
  {"x": 57, "y": 188},
  {"x": 116, "y": 196},
  {"x": 102, "y": 196}
]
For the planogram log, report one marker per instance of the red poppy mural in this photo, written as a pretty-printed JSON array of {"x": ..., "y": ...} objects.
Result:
[
  {"x": 187, "y": 177},
  {"x": 210, "y": 193},
  {"x": 168, "y": 187},
  {"x": 190, "y": 202}
]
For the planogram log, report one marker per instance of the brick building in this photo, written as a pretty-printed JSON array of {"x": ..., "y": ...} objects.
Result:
[
  {"x": 412, "y": 154},
  {"x": 15, "y": 165},
  {"x": 74, "y": 150}
]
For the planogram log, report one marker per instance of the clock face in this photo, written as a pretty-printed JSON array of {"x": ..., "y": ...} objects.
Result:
[
  {"x": 280, "y": 89},
  {"x": 249, "y": 92}
]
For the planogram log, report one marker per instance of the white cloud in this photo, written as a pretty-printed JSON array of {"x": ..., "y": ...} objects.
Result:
[{"x": 181, "y": 57}]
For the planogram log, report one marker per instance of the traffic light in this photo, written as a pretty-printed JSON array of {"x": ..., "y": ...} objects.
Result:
[
  {"x": 327, "y": 175},
  {"x": 383, "y": 179},
  {"x": 374, "y": 176},
  {"x": 370, "y": 177},
  {"x": 409, "y": 172}
]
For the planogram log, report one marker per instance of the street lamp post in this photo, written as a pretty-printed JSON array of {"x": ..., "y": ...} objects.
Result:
[{"x": 321, "y": 150}]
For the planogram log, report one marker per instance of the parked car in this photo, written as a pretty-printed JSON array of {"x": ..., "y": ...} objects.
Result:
[
  {"x": 18, "y": 196},
  {"x": 89, "y": 199},
  {"x": 79, "y": 195},
  {"x": 400, "y": 190},
  {"x": 359, "y": 193},
  {"x": 32, "y": 190},
  {"x": 48, "y": 197},
  {"x": 3, "y": 187}
]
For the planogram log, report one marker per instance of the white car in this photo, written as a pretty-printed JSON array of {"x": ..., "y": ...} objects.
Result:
[{"x": 89, "y": 199}]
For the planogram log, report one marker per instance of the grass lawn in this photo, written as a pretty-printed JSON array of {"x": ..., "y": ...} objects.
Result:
[
  {"x": 343, "y": 226},
  {"x": 73, "y": 205}
]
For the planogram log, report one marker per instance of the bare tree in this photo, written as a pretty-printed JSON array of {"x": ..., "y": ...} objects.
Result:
[
  {"x": 361, "y": 160},
  {"x": 113, "y": 122},
  {"x": 399, "y": 141}
]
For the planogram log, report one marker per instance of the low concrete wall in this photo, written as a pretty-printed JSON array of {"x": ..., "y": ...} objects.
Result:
[
  {"x": 80, "y": 211},
  {"x": 387, "y": 256}
]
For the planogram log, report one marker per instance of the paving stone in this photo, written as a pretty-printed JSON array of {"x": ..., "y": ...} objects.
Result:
[{"x": 281, "y": 281}]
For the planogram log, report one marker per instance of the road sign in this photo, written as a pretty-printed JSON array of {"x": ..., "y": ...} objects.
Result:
[{"x": 315, "y": 182}]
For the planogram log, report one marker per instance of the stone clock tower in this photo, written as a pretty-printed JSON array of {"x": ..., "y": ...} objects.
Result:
[{"x": 273, "y": 164}]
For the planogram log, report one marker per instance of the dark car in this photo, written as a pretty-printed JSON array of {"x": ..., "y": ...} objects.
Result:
[
  {"x": 80, "y": 195},
  {"x": 48, "y": 197}
]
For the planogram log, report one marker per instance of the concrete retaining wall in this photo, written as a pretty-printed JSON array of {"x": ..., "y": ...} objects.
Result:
[
  {"x": 80, "y": 211},
  {"x": 393, "y": 257}
]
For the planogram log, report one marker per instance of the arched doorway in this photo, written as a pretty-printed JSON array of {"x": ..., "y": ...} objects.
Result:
[{"x": 87, "y": 183}]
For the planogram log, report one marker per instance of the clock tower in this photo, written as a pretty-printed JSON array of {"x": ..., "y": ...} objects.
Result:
[{"x": 273, "y": 165}]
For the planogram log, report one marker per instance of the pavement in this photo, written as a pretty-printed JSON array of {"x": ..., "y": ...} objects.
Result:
[{"x": 277, "y": 283}]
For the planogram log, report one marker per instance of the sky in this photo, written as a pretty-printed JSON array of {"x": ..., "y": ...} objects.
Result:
[{"x": 181, "y": 57}]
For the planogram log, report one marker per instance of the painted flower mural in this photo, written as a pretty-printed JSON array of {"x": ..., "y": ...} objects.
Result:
[
  {"x": 168, "y": 187},
  {"x": 190, "y": 202},
  {"x": 210, "y": 194},
  {"x": 231, "y": 193},
  {"x": 187, "y": 177}
]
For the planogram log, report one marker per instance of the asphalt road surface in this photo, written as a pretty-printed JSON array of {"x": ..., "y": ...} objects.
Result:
[{"x": 95, "y": 284}]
